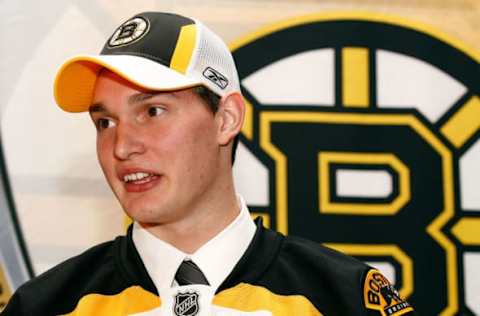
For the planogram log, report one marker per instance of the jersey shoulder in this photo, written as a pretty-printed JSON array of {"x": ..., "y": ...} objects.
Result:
[
  {"x": 331, "y": 279},
  {"x": 57, "y": 290},
  {"x": 313, "y": 256}
]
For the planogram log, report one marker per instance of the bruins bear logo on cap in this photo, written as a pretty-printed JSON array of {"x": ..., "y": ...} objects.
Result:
[{"x": 129, "y": 32}]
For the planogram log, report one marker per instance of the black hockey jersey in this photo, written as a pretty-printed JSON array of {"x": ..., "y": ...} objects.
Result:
[{"x": 283, "y": 275}]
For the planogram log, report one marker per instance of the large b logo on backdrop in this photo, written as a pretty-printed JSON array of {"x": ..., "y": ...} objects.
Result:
[{"x": 362, "y": 123}]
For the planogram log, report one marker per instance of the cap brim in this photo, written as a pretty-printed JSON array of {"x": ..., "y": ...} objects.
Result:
[{"x": 75, "y": 81}]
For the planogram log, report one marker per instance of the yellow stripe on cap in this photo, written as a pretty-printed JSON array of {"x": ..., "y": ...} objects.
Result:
[{"x": 183, "y": 52}]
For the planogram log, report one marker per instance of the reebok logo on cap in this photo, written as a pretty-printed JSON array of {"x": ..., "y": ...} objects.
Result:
[
  {"x": 129, "y": 32},
  {"x": 215, "y": 77}
]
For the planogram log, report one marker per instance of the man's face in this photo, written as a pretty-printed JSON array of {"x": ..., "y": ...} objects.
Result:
[{"x": 159, "y": 151}]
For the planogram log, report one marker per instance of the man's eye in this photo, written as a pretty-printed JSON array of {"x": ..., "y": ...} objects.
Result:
[
  {"x": 104, "y": 123},
  {"x": 155, "y": 111}
]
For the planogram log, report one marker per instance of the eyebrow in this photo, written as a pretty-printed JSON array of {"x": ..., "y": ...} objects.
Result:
[
  {"x": 96, "y": 107},
  {"x": 134, "y": 98},
  {"x": 142, "y": 96}
]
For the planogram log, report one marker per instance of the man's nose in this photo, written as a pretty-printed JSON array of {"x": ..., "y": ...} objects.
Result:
[{"x": 128, "y": 141}]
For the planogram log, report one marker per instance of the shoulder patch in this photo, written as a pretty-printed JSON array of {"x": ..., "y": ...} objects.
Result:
[{"x": 380, "y": 295}]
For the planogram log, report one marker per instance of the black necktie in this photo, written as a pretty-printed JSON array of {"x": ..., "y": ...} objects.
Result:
[{"x": 190, "y": 273}]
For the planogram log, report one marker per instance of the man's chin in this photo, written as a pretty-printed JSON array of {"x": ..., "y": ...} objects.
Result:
[{"x": 147, "y": 217}]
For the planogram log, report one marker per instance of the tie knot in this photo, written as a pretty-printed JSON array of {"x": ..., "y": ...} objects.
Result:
[{"x": 190, "y": 273}]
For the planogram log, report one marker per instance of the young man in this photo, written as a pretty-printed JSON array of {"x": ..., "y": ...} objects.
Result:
[{"x": 165, "y": 99}]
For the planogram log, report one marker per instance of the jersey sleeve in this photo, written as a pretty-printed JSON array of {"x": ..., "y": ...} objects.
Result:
[{"x": 381, "y": 298}]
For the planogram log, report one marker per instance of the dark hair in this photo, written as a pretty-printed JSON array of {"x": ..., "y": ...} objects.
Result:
[{"x": 213, "y": 101}]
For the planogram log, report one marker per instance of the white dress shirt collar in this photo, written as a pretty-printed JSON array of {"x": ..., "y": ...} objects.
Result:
[{"x": 216, "y": 258}]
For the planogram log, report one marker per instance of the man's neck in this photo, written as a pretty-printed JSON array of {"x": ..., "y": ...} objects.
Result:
[{"x": 202, "y": 223}]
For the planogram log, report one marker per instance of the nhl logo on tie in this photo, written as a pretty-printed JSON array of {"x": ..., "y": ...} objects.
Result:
[{"x": 186, "y": 304}]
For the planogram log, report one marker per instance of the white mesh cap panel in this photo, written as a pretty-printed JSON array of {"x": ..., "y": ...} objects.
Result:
[{"x": 212, "y": 52}]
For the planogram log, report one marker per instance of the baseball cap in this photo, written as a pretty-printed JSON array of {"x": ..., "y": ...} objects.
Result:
[{"x": 156, "y": 51}]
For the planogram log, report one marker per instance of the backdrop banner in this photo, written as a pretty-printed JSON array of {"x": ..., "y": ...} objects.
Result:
[{"x": 367, "y": 126}]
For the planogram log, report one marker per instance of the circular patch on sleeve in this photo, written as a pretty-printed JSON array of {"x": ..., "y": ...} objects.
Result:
[{"x": 381, "y": 296}]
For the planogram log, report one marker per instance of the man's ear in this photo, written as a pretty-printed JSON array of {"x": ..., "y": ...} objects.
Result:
[{"x": 230, "y": 115}]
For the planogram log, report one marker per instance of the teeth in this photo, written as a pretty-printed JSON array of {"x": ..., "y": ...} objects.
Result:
[
  {"x": 135, "y": 176},
  {"x": 141, "y": 175}
]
